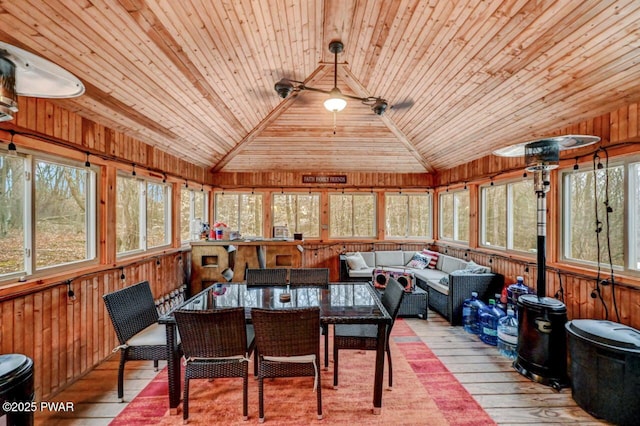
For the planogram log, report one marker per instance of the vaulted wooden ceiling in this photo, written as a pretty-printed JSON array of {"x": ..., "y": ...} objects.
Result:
[{"x": 195, "y": 77}]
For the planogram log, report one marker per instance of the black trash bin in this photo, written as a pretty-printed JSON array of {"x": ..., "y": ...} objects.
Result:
[
  {"x": 16, "y": 386},
  {"x": 605, "y": 369}
]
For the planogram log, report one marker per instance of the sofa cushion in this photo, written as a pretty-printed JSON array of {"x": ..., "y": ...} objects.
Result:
[
  {"x": 356, "y": 261},
  {"x": 449, "y": 264},
  {"x": 429, "y": 274},
  {"x": 361, "y": 273},
  {"x": 389, "y": 258}
]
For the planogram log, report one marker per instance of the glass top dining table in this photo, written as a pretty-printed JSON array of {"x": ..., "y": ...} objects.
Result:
[{"x": 340, "y": 303}]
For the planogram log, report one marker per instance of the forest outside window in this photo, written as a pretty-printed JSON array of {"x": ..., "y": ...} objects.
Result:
[
  {"x": 585, "y": 198},
  {"x": 143, "y": 214},
  {"x": 408, "y": 215},
  {"x": 193, "y": 211},
  {"x": 241, "y": 212},
  {"x": 48, "y": 214},
  {"x": 300, "y": 213},
  {"x": 508, "y": 214},
  {"x": 454, "y": 216},
  {"x": 352, "y": 215}
]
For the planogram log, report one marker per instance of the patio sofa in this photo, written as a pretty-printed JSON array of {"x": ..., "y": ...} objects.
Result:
[{"x": 448, "y": 283}]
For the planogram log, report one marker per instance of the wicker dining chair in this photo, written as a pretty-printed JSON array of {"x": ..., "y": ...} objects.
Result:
[
  {"x": 309, "y": 276},
  {"x": 364, "y": 336},
  {"x": 266, "y": 276},
  {"x": 287, "y": 345},
  {"x": 134, "y": 317},
  {"x": 216, "y": 343},
  {"x": 313, "y": 277}
]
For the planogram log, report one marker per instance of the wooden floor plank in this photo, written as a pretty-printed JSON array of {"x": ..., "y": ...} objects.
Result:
[{"x": 507, "y": 396}]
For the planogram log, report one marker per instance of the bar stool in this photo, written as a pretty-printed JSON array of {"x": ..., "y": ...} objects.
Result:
[{"x": 16, "y": 385}]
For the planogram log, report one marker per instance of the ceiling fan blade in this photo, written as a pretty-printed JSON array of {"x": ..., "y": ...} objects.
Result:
[{"x": 408, "y": 103}]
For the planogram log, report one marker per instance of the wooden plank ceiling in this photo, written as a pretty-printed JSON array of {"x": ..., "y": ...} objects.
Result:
[{"x": 195, "y": 77}]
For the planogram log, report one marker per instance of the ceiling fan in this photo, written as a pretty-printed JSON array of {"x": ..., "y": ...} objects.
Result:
[{"x": 337, "y": 100}]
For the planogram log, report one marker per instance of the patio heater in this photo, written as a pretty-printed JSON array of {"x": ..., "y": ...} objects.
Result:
[{"x": 542, "y": 347}]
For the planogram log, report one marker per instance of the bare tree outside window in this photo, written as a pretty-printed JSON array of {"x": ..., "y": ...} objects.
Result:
[
  {"x": 352, "y": 215},
  {"x": 298, "y": 212},
  {"x": 454, "y": 215},
  {"x": 12, "y": 193},
  {"x": 408, "y": 215}
]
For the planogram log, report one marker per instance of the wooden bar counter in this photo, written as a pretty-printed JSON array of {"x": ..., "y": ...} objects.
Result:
[{"x": 226, "y": 261}]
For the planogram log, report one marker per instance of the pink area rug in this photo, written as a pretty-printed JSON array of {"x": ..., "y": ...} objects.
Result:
[{"x": 424, "y": 393}]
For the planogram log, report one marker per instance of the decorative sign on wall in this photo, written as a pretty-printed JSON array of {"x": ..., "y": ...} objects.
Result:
[{"x": 324, "y": 179}]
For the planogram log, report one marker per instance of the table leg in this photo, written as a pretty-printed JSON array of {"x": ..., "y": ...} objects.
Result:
[
  {"x": 173, "y": 369},
  {"x": 379, "y": 375}
]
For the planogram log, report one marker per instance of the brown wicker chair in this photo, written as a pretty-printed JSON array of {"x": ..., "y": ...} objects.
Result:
[
  {"x": 216, "y": 343},
  {"x": 287, "y": 345},
  {"x": 268, "y": 276},
  {"x": 134, "y": 317},
  {"x": 313, "y": 277},
  {"x": 364, "y": 336}
]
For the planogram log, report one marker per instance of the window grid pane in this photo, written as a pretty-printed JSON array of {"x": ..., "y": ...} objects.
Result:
[
  {"x": 583, "y": 188},
  {"x": 240, "y": 212},
  {"x": 12, "y": 220},
  {"x": 494, "y": 216},
  {"x": 127, "y": 214},
  {"x": 351, "y": 215},
  {"x": 60, "y": 214},
  {"x": 298, "y": 212},
  {"x": 157, "y": 207},
  {"x": 522, "y": 216}
]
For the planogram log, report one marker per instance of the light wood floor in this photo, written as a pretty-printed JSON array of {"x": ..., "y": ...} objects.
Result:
[{"x": 508, "y": 397}]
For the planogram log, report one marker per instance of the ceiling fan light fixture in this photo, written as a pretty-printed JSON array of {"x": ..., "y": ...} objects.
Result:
[{"x": 336, "y": 102}]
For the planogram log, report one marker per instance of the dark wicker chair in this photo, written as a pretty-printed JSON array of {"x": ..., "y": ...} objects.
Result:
[
  {"x": 364, "y": 336},
  {"x": 287, "y": 345},
  {"x": 216, "y": 343},
  {"x": 313, "y": 277},
  {"x": 309, "y": 276},
  {"x": 268, "y": 276},
  {"x": 135, "y": 319}
]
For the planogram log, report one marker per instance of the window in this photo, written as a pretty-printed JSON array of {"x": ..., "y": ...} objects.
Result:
[
  {"x": 454, "y": 216},
  {"x": 240, "y": 212},
  {"x": 634, "y": 216},
  {"x": 193, "y": 212},
  {"x": 509, "y": 216},
  {"x": 47, "y": 214},
  {"x": 585, "y": 195},
  {"x": 408, "y": 215},
  {"x": 352, "y": 215},
  {"x": 298, "y": 212},
  {"x": 143, "y": 214}
]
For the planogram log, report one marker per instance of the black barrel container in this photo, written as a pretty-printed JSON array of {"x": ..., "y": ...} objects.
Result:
[
  {"x": 16, "y": 385},
  {"x": 605, "y": 369},
  {"x": 542, "y": 341}
]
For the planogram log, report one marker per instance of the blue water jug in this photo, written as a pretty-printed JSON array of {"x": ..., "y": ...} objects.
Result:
[
  {"x": 470, "y": 309},
  {"x": 489, "y": 317},
  {"x": 508, "y": 335}
]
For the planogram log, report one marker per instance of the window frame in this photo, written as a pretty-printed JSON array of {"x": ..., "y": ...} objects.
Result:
[
  {"x": 564, "y": 223},
  {"x": 143, "y": 182},
  {"x": 374, "y": 233},
  {"x": 30, "y": 269},
  {"x": 509, "y": 217},
  {"x": 429, "y": 196},
  {"x": 456, "y": 225},
  {"x": 239, "y": 211},
  {"x": 192, "y": 213},
  {"x": 297, "y": 194}
]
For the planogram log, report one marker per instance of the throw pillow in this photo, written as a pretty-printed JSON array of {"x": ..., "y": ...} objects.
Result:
[
  {"x": 419, "y": 261},
  {"x": 434, "y": 258},
  {"x": 356, "y": 261}
]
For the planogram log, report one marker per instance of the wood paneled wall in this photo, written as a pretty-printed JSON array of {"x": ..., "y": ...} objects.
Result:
[
  {"x": 67, "y": 338},
  {"x": 614, "y": 129},
  {"x": 364, "y": 181}
]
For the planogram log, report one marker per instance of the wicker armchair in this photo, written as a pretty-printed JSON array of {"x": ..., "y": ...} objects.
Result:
[
  {"x": 364, "y": 336},
  {"x": 134, "y": 317},
  {"x": 309, "y": 276},
  {"x": 287, "y": 345},
  {"x": 269, "y": 276},
  {"x": 313, "y": 277},
  {"x": 216, "y": 343}
]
